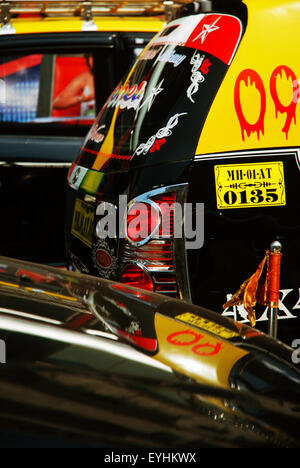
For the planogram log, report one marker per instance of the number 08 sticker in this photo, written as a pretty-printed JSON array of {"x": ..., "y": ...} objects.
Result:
[{"x": 250, "y": 185}]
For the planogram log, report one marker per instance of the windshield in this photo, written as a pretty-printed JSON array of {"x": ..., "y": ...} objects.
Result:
[{"x": 156, "y": 114}]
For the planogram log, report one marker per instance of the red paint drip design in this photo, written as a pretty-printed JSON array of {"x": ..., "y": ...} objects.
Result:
[{"x": 250, "y": 77}]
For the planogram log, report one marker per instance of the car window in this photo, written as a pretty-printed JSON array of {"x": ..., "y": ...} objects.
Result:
[
  {"x": 39, "y": 88},
  {"x": 57, "y": 84},
  {"x": 20, "y": 87}
]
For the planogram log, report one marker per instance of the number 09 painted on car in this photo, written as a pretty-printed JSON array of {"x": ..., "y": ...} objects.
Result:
[{"x": 250, "y": 185}]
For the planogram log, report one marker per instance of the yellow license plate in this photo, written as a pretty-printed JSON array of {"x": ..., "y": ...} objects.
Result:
[
  {"x": 83, "y": 222},
  {"x": 250, "y": 185},
  {"x": 206, "y": 324}
]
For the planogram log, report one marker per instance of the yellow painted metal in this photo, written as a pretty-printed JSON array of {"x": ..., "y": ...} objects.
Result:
[
  {"x": 73, "y": 24},
  {"x": 271, "y": 40},
  {"x": 250, "y": 185},
  {"x": 192, "y": 351}
]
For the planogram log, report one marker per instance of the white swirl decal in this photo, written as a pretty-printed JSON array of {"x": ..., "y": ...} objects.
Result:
[
  {"x": 162, "y": 133},
  {"x": 200, "y": 68}
]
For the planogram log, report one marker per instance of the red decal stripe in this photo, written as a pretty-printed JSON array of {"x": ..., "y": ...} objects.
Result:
[
  {"x": 20, "y": 64},
  {"x": 80, "y": 321},
  {"x": 218, "y": 35},
  {"x": 89, "y": 151},
  {"x": 148, "y": 344}
]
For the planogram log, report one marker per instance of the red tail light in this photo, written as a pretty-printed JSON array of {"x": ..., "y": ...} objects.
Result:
[
  {"x": 167, "y": 208},
  {"x": 151, "y": 219},
  {"x": 133, "y": 275},
  {"x": 150, "y": 232},
  {"x": 143, "y": 220}
]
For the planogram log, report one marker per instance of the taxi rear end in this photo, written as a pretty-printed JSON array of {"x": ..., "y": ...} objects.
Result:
[{"x": 207, "y": 119}]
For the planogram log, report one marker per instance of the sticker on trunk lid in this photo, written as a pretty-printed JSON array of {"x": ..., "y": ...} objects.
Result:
[{"x": 83, "y": 222}]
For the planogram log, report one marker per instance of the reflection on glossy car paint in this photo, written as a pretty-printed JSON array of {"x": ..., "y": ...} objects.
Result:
[
  {"x": 164, "y": 132},
  {"x": 74, "y": 337}
]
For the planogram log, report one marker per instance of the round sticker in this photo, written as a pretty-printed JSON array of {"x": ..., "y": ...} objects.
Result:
[{"x": 103, "y": 258}]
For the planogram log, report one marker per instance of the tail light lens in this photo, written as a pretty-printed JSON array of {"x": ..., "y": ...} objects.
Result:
[
  {"x": 155, "y": 258},
  {"x": 148, "y": 252},
  {"x": 143, "y": 220},
  {"x": 167, "y": 208},
  {"x": 151, "y": 219},
  {"x": 133, "y": 275}
]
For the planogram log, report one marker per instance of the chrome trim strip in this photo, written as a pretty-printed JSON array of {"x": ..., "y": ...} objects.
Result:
[
  {"x": 73, "y": 337},
  {"x": 180, "y": 254}
]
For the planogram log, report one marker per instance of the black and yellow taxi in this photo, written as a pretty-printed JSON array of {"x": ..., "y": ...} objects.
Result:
[{"x": 207, "y": 119}]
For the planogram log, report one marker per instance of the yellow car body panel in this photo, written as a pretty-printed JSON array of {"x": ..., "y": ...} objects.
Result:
[
  {"x": 203, "y": 356},
  {"x": 257, "y": 104},
  {"x": 59, "y": 25}
]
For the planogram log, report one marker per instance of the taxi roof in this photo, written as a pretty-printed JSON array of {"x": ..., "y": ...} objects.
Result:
[{"x": 70, "y": 16}]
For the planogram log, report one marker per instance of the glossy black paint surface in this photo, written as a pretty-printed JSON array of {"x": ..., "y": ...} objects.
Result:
[
  {"x": 130, "y": 183},
  {"x": 236, "y": 241},
  {"x": 169, "y": 109},
  {"x": 32, "y": 215}
]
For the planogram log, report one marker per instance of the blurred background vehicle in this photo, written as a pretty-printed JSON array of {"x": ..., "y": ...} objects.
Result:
[
  {"x": 86, "y": 362},
  {"x": 52, "y": 54}
]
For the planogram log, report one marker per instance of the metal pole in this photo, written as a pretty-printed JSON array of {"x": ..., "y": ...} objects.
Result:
[
  {"x": 273, "y": 318},
  {"x": 275, "y": 256}
]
